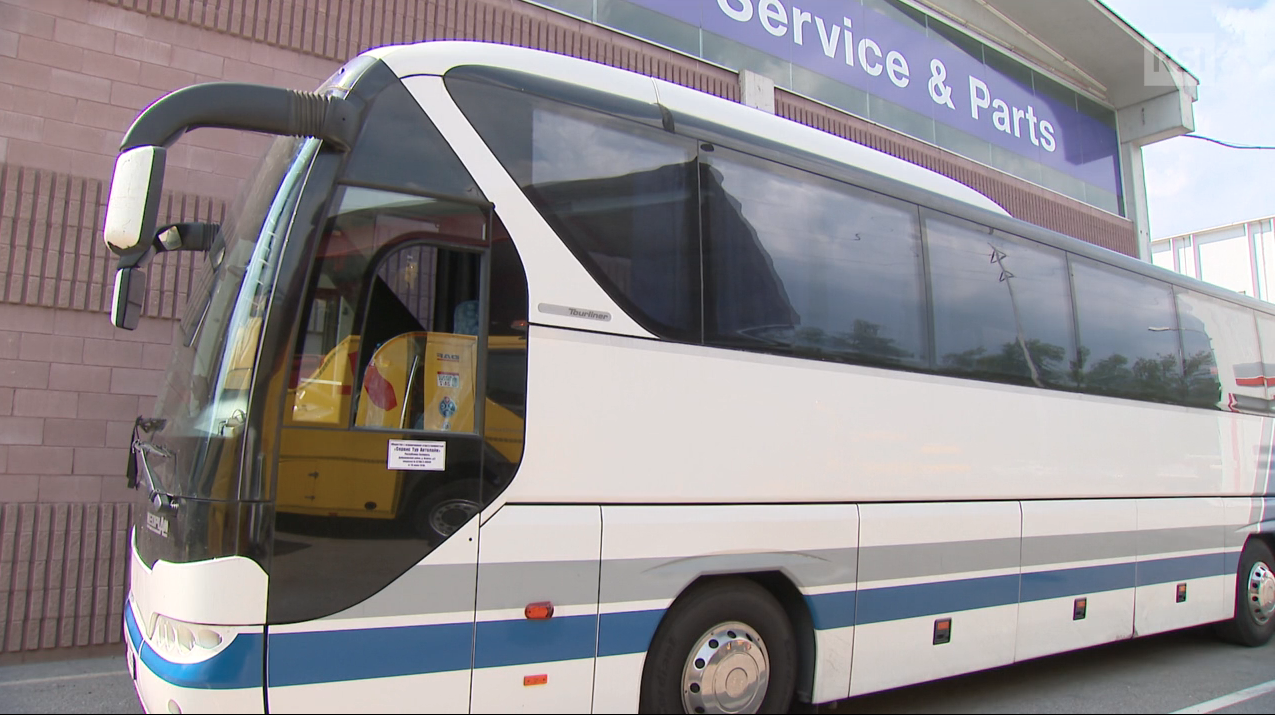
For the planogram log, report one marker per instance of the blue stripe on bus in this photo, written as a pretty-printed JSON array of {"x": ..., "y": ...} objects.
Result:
[
  {"x": 894, "y": 603},
  {"x": 1181, "y": 568},
  {"x": 236, "y": 666},
  {"x": 358, "y": 654},
  {"x": 627, "y": 632},
  {"x": 520, "y": 642},
  {"x": 832, "y": 610},
  {"x": 1043, "y": 585}
]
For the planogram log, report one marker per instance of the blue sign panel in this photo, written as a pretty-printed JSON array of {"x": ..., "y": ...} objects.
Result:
[{"x": 907, "y": 60}]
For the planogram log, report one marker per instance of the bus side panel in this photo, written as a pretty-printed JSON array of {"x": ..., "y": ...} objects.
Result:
[
  {"x": 1181, "y": 544},
  {"x": 409, "y": 648},
  {"x": 652, "y": 553},
  {"x": 713, "y": 424},
  {"x": 922, "y": 564},
  {"x": 1245, "y": 444},
  {"x": 537, "y": 555},
  {"x": 1076, "y": 550}
]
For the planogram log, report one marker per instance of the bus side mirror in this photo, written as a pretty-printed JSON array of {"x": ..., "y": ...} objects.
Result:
[
  {"x": 129, "y": 298},
  {"x": 134, "y": 200}
]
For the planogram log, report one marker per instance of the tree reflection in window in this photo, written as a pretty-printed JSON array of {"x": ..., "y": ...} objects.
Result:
[
  {"x": 1129, "y": 339},
  {"x": 799, "y": 264},
  {"x": 1002, "y": 309}
]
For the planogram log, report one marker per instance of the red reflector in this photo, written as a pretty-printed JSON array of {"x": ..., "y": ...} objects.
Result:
[
  {"x": 535, "y": 680},
  {"x": 538, "y": 611}
]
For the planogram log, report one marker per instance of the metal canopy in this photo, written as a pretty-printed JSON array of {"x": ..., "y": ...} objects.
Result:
[{"x": 1081, "y": 40}]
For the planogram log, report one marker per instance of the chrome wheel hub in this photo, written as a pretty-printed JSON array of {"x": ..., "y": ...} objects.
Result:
[
  {"x": 727, "y": 671},
  {"x": 1261, "y": 592},
  {"x": 448, "y": 516}
]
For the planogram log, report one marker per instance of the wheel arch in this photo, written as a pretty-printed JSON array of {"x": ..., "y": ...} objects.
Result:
[
  {"x": 785, "y": 591},
  {"x": 1266, "y": 537}
]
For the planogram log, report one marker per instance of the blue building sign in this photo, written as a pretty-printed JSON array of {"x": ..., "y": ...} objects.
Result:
[{"x": 894, "y": 65}]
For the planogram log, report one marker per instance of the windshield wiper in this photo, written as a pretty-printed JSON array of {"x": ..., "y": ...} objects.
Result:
[{"x": 137, "y": 448}]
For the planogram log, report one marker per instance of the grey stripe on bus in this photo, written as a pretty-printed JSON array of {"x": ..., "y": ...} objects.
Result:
[
  {"x": 514, "y": 585},
  {"x": 446, "y": 588},
  {"x": 425, "y": 589},
  {"x": 1188, "y": 538},
  {"x": 664, "y": 578},
  {"x": 1045, "y": 550},
  {"x": 885, "y": 563}
]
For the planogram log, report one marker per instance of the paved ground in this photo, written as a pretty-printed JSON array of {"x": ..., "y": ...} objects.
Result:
[
  {"x": 90, "y": 685},
  {"x": 1162, "y": 674}
]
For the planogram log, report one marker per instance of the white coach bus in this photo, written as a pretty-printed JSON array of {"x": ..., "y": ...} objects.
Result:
[{"x": 520, "y": 383}]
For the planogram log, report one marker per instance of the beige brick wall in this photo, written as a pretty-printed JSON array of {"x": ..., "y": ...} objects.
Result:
[
  {"x": 75, "y": 73},
  {"x": 70, "y": 386}
]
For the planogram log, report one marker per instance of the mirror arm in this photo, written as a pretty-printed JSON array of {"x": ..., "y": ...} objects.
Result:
[{"x": 186, "y": 236}]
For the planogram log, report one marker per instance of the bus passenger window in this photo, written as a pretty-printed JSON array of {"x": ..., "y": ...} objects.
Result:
[
  {"x": 1221, "y": 359},
  {"x": 1002, "y": 305},
  {"x": 421, "y": 342},
  {"x": 799, "y": 264},
  {"x": 327, "y": 349},
  {"x": 394, "y": 297},
  {"x": 1133, "y": 352},
  {"x": 621, "y": 196}
]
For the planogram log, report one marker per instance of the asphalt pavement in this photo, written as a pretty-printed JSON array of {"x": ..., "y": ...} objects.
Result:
[{"x": 82, "y": 685}]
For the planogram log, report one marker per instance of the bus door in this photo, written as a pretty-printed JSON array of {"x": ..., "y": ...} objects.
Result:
[{"x": 381, "y": 462}]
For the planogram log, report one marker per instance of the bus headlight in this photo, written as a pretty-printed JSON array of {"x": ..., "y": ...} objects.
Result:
[{"x": 179, "y": 641}]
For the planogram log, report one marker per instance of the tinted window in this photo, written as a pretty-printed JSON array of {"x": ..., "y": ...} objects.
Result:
[
  {"x": 1002, "y": 306},
  {"x": 621, "y": 195},
  {"x": 399, "y": 146},
  {"x": 386, "y": 369},
  {"x": 506, "y": 405},
  {"x": 799, "y": 264},
  {"x": 1128, "y": 334}
]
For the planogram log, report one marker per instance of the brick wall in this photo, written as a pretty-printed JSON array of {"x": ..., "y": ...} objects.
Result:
[
  {"x": 70, "y": 386},
  {"x": 73, "y": 75}
]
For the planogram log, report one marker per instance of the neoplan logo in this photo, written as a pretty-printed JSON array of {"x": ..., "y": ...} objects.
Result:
[{"x": 157, "y": 524}]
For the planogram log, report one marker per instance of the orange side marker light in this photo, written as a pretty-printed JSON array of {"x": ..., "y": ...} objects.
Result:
[
  {"x": 538, "y": 611},
  {"x": 529, "y": 680}
]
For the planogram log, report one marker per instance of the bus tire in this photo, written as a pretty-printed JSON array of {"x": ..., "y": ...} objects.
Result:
[
  {"x": 1254, "y": 620},
  {"x": 726, "y": 646},
  {"x": 441, "y": 512}
]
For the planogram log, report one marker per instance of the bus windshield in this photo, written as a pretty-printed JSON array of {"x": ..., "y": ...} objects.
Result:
[{"x": 203, "y": 402}]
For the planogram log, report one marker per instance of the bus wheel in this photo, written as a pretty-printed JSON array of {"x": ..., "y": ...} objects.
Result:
[
  {"x": 441, "y": 512},
  {"x": 1254, "y": 621},
  {"x": 726, "y": 647}
]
